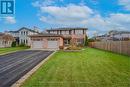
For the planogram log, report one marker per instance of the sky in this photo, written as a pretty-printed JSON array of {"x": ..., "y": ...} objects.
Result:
[{"x": 99, "y": 16}]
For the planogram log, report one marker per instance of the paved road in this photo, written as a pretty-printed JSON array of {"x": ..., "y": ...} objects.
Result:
[{"x": 15, "y": 65}]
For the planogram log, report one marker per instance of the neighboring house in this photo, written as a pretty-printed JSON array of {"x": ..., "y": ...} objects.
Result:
[
  {"x": 6, "y": 40},
  {"x": 114, "y": 36},
  {"x": 104, "y": 37},
  {"x": 21, "y": 35},
  {"x": 54, "y": 38},
  {"x": 120, "y": 35}
]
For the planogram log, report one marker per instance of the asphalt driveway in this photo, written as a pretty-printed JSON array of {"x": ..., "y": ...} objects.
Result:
[{"x": 14, "y": 65}]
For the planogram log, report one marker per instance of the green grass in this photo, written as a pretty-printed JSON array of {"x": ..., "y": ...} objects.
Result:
[
  {"x": 11, "y": 49},
  {"x": 88, "y": 68}
]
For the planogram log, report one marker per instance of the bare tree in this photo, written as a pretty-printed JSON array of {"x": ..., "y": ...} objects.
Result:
[{"x": 7, "y": 39}]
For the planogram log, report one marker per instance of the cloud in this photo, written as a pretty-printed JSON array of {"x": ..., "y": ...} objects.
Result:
[
  {"x": 10, "y": 20},
  {"x": 72, "y": 11},
  {"x": 91, "y": 32},
  {"x": 125, "y": 3},
  {"x": 70, "y": 14},
  {"x": 115, "y": 21},
  {"x": 40, "y": 3},
  {"x": 83, "y": 16},
  {"x": 120, "y": 21}
]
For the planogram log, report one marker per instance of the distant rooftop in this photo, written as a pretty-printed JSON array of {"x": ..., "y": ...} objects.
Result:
[
  {"x": 123, "y": 32},
  {"x": 113, "y": 32},
  {"x": 1, "y": 34},
  {"x": 13, "y": 31},
  {"x": 68, "y": 29},
  {"x": 27, "y": 29}
]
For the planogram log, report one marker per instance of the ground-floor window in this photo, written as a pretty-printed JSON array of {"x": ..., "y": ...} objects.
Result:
[
  {"x": 80, "y": 41},
  {"x": 21, "y": 41},
  {"x": 26, "y": 41},
  {"x": 67, "y": 41}
]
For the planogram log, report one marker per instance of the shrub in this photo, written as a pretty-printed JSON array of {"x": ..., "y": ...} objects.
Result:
[
  {"x": 22, "y": 45},
  {"x": 91, "y": 40},
  {"x": 61, "y": 47},
  {"x": 80, "y": 45},
  {"x": 86, "y": 41},
  {"x": 28, "y": 46},
  {"x": 13, "y": 44},
  {"x": 73, "y": 47}
]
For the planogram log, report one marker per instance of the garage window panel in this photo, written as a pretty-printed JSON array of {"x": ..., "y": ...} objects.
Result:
[
  {"x": 37, "y": 39},
  {"x": 52, "y": 39}
]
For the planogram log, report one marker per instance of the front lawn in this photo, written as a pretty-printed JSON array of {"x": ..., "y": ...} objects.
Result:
[
  {"x": 88, "y": 68},
  {"x": 11, "y": 49}
]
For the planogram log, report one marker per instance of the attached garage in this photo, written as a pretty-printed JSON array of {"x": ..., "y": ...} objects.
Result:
[
  {"x": 37, "y": 44},
  {"x": 53, "y": 44},
  {"x": 46, "y": 41}
]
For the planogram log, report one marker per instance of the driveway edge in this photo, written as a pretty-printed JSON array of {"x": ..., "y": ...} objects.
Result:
[{"x": 27, "y": 75}]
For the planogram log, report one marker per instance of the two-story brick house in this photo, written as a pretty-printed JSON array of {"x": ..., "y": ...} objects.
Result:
[{"x": 54, "y": 38}]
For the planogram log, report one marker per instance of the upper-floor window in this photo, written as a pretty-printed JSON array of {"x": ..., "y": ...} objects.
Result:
[
  {"x": 26, "y": 32},
  {"x": 21, "y": 32},
  {"x": 64, "y": 32},
  {"x": 55, "y": 32},
  {"x": 50, "y": 32},
  {"x": 78, "y": 31}
]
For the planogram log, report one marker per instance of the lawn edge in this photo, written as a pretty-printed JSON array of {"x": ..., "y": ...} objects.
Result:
[
  {"x": 12, "y": 52},
  {"x": 27, "y": 75},
  {"x": 8, "y": 52}
]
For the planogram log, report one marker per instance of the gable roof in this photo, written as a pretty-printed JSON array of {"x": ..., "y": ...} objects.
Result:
[
  {"x": 13, "y": 31},
  {"x": 22, "y": 29},
  {"x": 27, "y": 29}
]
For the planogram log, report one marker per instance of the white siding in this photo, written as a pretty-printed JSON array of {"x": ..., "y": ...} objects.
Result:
[{"x": 23, "y": 36}]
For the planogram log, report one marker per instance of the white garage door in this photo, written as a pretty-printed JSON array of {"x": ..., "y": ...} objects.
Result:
[
  {"x": 53, "y": 44},
  {"x": 37, "y": 44}
]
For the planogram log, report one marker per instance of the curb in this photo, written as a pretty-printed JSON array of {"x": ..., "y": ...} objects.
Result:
[{"x": 27, "y": 75}]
